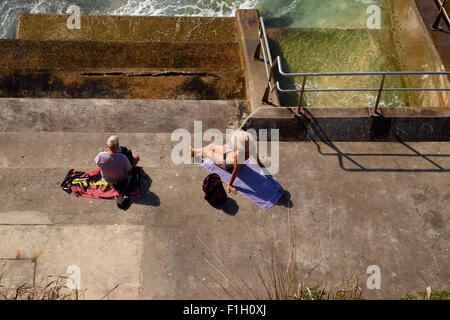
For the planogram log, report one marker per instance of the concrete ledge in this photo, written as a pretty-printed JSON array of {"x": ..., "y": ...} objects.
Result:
[
  {"x": 417, "y": 52},
  {"x": 70, "y": 55},
  {"x": 256, "y": 76},
  {"x": 123, "y": 84},
  {"x": 127, "y": 28},
  {"x": 115, "y": 115},
  {"x": 336, "y": 124}
]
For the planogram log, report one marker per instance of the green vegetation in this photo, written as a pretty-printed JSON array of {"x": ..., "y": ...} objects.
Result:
[{"x": 428, "y": 295}]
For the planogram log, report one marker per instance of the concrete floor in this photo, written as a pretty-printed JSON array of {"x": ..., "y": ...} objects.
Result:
[
  {"x": 347, "y": 205},
  {"x": 376, "y": 203}
]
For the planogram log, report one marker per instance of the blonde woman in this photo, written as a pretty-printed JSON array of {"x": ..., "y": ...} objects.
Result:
[{"x": 230, "y": 159}]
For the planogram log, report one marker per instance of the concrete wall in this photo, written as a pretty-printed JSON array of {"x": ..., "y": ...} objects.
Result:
[
  {"x": 127, "y": 28},
  {"x": 417, "y": 53}
]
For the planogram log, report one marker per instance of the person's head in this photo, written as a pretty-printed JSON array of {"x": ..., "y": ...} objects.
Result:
[
  {"x": 113, "y": 143},
  {"x": 242, "y": 141}
]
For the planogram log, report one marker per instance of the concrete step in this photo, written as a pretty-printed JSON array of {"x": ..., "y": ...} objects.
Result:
[
  {"x": 38, "y": 150},
  {"x": 123, "y": 84},
  {"x": 127, "y": 28},
  {"x": 73, "y": 55},
  {"x": 353, "y": 124},
  {"x": 109, "y": 116}
]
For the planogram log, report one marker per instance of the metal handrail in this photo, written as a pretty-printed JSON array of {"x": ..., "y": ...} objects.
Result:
[{"x": 263, "y": 46}]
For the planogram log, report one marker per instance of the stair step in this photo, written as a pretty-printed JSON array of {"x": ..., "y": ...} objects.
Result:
[
  {"x": 73, "y": 55},
  {"x": 127, "y": 28},
  {"x": 117, "y": 115},
  {"x": 123, "y": 84},
  {"x": 31, "y": 150}
]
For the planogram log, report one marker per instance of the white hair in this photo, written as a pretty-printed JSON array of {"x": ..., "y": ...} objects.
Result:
[
  {"x": 242, "y": 140},
  {"x": 113, "y": 141}
]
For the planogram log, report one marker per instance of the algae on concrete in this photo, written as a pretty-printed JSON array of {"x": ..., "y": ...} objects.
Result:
[{"x": 127, "y": 28}]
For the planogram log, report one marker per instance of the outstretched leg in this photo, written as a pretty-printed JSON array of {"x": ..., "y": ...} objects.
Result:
[{"x": 212, "y": 151}]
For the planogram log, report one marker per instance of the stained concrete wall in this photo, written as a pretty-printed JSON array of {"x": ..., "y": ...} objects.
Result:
[
  {"x": 123, "y": 57},
  {"x": 127, "y": 28},
  {"x": 417, "y": 53}
]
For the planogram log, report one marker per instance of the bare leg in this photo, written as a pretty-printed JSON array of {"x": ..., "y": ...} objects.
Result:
[{"x": 212, "y": 151}]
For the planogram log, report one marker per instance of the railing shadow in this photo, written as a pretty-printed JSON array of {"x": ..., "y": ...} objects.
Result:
[{"x": 307, "y": 119}]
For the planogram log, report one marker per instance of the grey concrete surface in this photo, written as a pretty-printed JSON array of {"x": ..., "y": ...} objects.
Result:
[
  {"x": 115, "y": 115},
  {"x": 346, "y": 206},
  {"x": 106, "y": 255},
  {"x": 380, "y": 203}
]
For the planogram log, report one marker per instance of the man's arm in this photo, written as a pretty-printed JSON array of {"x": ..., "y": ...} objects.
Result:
[
  {"x": 128, "y": 166},
  {"x": 97, "y": 158}
]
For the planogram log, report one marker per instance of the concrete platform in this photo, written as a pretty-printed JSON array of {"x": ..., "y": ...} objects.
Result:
[
  {"x": 377, "y": 215},
  {"x": 116, "y": 115},
  {"x": 94, "y": 249},
  {"x": 346, "y": 205}
]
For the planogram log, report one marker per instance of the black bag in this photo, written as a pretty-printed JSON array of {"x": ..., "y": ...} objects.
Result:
[
  {"x": 126, "y": 186},
  {"x": 127, "y": 152},
  {"x": 213, "y": 189}
]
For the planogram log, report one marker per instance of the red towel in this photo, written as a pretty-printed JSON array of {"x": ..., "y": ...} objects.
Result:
[{"x": 91, "y": 185}]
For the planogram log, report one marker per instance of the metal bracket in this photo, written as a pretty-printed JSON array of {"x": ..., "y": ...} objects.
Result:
[
  {"x": 299, "y": 111},
  {"x": 375, "y": 112}
]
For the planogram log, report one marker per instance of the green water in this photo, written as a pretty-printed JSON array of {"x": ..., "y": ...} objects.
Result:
[
  {"x": 332, "y": 36},
  {"x": 337, "y": 50},
  {"x": 320, "y": 13}
]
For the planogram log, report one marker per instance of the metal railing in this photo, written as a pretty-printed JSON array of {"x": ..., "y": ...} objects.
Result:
[
  {"x": 270, "y": 64},
  {"x": 440, "y": 4}
]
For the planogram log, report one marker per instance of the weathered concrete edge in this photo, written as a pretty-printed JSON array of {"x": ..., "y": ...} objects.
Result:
[
  {"x": 247, "y": 21},
  {"x": 433, "y": 51},
  {"x": 21, "y": 34},
  {"x": 353, "y": 124},
  {"x": 428, "y": 37}
]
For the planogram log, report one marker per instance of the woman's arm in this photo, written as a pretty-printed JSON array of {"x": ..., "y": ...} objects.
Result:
[{"x": 259, "y": 161}]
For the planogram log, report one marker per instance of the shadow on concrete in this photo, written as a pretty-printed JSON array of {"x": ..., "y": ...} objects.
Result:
[
  {"x": 285, "y": 200},
  {"x": 380, "y": 129},
  {"x": 148, "y": 198},
  {"x": 230, "y": 207}
]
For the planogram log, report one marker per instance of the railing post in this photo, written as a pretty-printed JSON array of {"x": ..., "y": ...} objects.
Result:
[
  {"x": 265, "y": 98},
  {"x": 257, "y": 54},
  {"x": 380, "y": 91},
  {"x": 300, "y": 97}
]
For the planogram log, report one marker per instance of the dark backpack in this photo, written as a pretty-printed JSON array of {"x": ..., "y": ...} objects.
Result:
[{"x": 213, "y": 189}]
